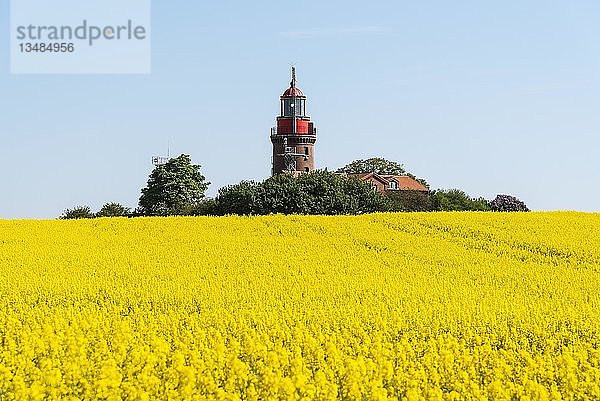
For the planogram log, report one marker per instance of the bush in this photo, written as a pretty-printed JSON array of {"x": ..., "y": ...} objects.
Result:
[
  {"x": 457, "y": 200},
  {"x": 79, "y": 212},
  {"x": 319, "y": 192},
  {"x": 205, "y": 207},
  {"x": 240, "y": 198},
  {"x": 114, "y": 210},
  {"x": 408, "y": 201},
  {"x": 508, "y": 203}
]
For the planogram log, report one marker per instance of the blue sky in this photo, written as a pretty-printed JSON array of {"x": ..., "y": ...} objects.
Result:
[{"x": 491, "y": 98}]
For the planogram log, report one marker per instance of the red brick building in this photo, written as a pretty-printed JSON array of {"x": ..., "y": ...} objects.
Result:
[{"x": 382, "y": 183}]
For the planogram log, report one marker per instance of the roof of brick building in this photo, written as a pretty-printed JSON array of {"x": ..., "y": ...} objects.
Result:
[{"x": 405, "y": 182}]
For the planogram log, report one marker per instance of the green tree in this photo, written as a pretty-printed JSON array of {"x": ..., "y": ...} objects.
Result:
[
  {"x": 240, "y": 198},
  {"x": 79, "y": 212},
  {"x": 379, "y": 166},
  {"x": 376, "y": 165},
  {"x": 457, "y": 200},
  {"x": 360, "y": 198},
  {"x": 330, "y": 194},
  {"x": 174, "y": 188},
  {"x": 281, "y": 193},
  {"x": 113, "y": 210},
  {"x": 206, "y": 207}
]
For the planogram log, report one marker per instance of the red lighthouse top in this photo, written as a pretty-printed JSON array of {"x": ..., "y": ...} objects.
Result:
[
  {"x": 293, "y": 92},
  {"x": 293, "y": 119}
]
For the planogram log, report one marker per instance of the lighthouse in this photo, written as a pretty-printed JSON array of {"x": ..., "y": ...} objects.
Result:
[{"x": 295, "y": 135}]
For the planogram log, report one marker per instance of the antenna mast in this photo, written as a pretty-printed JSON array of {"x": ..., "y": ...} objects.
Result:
[
  {"x": 160, "y": 160},
  {"x": 293, "y": 85},
  {"x": 289, "y": 152}
]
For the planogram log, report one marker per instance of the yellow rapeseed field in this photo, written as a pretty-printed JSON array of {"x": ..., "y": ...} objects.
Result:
[{"x": 439, "y": 306}]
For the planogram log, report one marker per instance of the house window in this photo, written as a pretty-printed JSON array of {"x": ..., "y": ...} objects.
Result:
[{"x": 393, "y": 184}]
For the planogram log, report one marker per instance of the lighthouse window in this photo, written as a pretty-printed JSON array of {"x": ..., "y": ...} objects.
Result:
[
  {"x": 288, "y": 110},
  {"x": 288, "y": 106},
  {"x": 306, "y": 150},
  {"x": 300, "y": 107}
]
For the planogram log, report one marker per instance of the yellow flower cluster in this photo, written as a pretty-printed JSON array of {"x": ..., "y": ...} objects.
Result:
[{"x": 439, "y": 306}]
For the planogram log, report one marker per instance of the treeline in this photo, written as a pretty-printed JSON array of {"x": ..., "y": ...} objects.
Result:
[
  {"x": 178, "y": 188},
  {"x": 449, "y": 201}
]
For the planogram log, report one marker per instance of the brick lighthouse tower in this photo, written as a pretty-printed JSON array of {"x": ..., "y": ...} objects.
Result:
[{"x": 295, "y": 135}]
